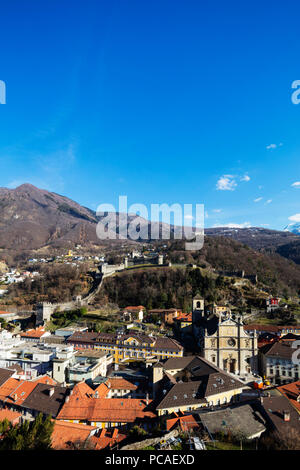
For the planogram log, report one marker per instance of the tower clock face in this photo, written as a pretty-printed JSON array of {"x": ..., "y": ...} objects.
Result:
[{"x": 231, "y": 342}]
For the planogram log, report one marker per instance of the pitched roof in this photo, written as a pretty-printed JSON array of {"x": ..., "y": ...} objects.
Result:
[
  {"x": 138, "y": 307},
  {"x": 184, "y": 317},
  {"x": 65, "y": 433},
  {"x": 235, "y": 419},
  {"x": 183, "y": 394},
  {"x": 41, "y": 400},
  {"x": 45, "y": 379},
  {"x": 292, "y": 393},
  {"x": 259, "y": 327},
  {"x": 107, "y": 438},
  {"x": 125, "y": 410},
  {"x": 119, "y": 383},
  {"x": 274, "y": 408},
  {"x": 185, "y": 422},
  {"x": 278, "y": 350},
  {"x": 197, "y": 380},
  {"x": 15, "y": 391},
  {"x": 5, "y": 374},
  {"x": 6, "y": 413},
  {"x": 34, "y": 333},
  {"x": 168, "y": 344}
]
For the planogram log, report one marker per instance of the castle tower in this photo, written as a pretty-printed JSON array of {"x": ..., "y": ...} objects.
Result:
[
  {"x": 198, "y": 303},
  {"x": 44, "y": 312}
]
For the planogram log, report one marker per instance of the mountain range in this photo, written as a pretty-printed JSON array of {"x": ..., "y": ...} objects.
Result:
[{"x": 35, "y": 219}]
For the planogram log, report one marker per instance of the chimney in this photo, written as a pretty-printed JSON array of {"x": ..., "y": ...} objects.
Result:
[
  {"x": 67, "y": 399},
  {"x": 286, "y": 415},
  {"x": 147, "y": 399},
  {"x": 261, "y": 400},
  {"x": 51, "y": 391}
]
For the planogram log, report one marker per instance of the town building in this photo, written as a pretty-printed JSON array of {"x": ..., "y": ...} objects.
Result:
[
  {"x": 272, "y": 304},
  {"x": 276, "y": 363},
  {"x": 128, "y": 346},
  {"x": 191, "y": 383},
  {"x": 95, "y": 410},
  {"x": 223, "y": 340}
]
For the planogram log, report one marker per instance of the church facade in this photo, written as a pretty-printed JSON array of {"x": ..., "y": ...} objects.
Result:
[{"x": 223, "y": 340}]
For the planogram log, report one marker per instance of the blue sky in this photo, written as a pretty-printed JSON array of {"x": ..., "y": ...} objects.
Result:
[{"x": 162, "y": 101}]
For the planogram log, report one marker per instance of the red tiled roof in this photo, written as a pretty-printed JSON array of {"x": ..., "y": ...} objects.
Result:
[
  {"x": 107, "y": 438},
  {"x": 45, "y": 379},
  {"x": 37, "y": 333},
  {"x": 65, "y": 433},
  {"x": 12, "y": 416},
  {"x": 184, "y": 317},
  {"x": 185, "y": 422},
  {"x": 125, "y": 410},
  {"x": 139, "y": 307},
  {"x": 119, "y": 383},
  {"x": 291, "y": 392},
  {"x": 15, "y": 391},
  {"x": 102, "y": 390}
]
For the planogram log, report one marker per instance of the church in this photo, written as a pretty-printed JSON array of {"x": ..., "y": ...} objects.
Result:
[{"x": 222, "y": 339}]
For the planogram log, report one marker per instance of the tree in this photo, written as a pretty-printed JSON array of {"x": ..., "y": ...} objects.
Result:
[{"x": 35, "y": 435}]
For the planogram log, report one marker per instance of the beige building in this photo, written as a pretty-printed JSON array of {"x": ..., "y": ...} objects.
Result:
[{"x": 224, "y": 342}]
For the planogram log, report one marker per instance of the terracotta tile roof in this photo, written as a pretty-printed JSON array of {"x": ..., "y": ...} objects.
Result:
[
  {"x": 3, "y": 312},
  {"x": 119, "y": 383},
  {"x": 15, "y": 391},
  {"x": 102, "y": 390},
  {"x": 292, "y": 393},
  {"x": 184, "y": 317},
  {"x": 37, "y": 333},
  {"x": 65, "y": 433},
  {"x": 139, "y": 307},
  {"x": 125, "y": 410},
  {"x": 186, "y": 422},
  {"x": 12, "y": 416},
  {"x": 82, "y": 390},
  {"x": 45, "y": 379},
  {"x": 106, "y": 438}
]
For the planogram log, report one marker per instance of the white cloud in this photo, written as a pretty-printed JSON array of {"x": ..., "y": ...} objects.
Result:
[
  {"x": 258, "y": 199},
  {"x": 268, "y": 201},
  {"x": 245, "y": 178},
  {"x": 295, "y": 218},
  {"x": 274, "y": 146},
  {"x": 296, "y": 184},
  {"x": 233, "y": 225},
  {"x": 226, "y": 183},
  {"x": 217, "y": 210}
]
